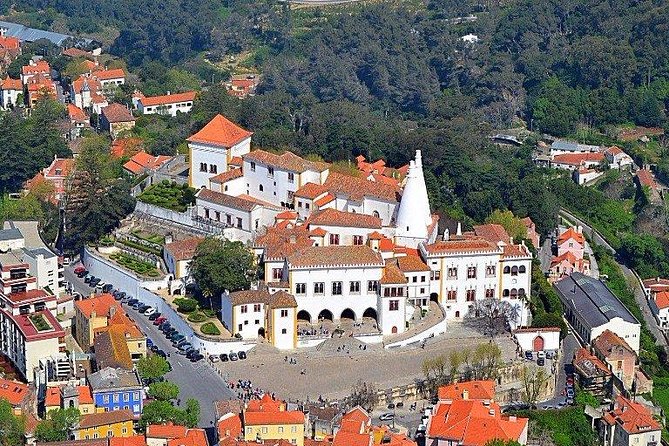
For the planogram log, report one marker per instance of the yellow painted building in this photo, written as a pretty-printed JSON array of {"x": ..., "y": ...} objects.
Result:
[
  {"x": 117, "y": 423},
  {"x": 268, "y": 419}
]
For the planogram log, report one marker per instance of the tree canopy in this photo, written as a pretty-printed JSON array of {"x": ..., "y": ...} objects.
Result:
[{"x": 221, "y": 265}]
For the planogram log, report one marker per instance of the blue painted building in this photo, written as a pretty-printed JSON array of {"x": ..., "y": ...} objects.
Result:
[{"x": 116, "y": 389}]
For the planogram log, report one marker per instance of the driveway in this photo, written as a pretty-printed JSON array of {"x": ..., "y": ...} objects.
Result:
[{"x": 196, "y": 380}]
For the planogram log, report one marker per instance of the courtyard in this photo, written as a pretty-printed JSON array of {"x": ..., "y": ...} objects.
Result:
[{"x": 338, "y": 363}]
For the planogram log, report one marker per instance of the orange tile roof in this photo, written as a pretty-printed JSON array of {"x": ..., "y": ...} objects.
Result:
[
  {"x": 410, "y": 264},
  {"x": 220, "y": 131},
  {"x": 285, "y": 161},
  {"x": 375, "y": 235},
  {"x": 586, "y": 362},
  {"x": 142, "y": 161},
  {"x": 100, "y": 304},
  {"x": 614, "y": 150},
  {"x": 149, "y": 101},
  {"x": 570, "y": 233},
  {"x": 117, "y": 113},
  {"x": 333, "y": 217},
  {"x": 126, "y": 147},
  {"x": 310, "y": 191},
  {"x": 493, "y": 233},
  {"x": 318, "y": 232},
  {"x": 324, "y": 200},
  {"x": 476, "y": 390},
  {"x": 358, "y": 188},
  {"x": 109, "y": 74},
  {"x": 392, "y": 274},
  {"x": 610, "y": 344},
  {"x": 85, "y": 395},
  {"x": 166, "y": 431},
  {"x": 41, "y": 66},
  {"x": 646, "y": 178},
  {"x": 256, "y": 418},
  {"x": 242, "y": 202},
  {"x": 94, "y": 85},
  {"x": 282, "y": 242},
  {"x": 9, "y": 42},
  {"x": 632, "y": 417},
  {"x": 286, "y": 215},
  {"x": 13, "y": 391},
  {"x": 60, "y": 167},
  {"x": 662, "y": 300},
  {"x": 134, "y": 440},
  {"x": 461, "y": 246},
  {"x": 576, "y": 159},
  {"x": 224, "y": 177},
  {"x": 12, "y": 84},
  {"x": 568, "y": 256},
  {"x": 516, "y": 251},
  {"x": 52, "y": 397},
  {"x": 105, "y": 418},
  {"x": 193, "y": 437},
  {"x": 345, "y": 438},
  {"x": 229, "y": 425},
  {"x": 335, "y": 256},
  {"x": 183, "y": 249},
  {"x": 76, "y": 114}
]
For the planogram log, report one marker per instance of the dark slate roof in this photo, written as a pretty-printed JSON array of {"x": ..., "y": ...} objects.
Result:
[
  {"x": 592, "y": 300},
  {"x": 26, "y": 34},
  {"x": 10, "y": 234},
  {"x": 39, "y": 251}
]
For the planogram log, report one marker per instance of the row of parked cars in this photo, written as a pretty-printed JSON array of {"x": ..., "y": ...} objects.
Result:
[
  {"x": 541, "y": 356},
  {"x": 92, "y": 281},
  {"x": 225, "y": 357}
]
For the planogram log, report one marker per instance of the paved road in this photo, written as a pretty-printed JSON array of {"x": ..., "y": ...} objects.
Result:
[
  {"x": 569, "y": 346},
  {"x": 198, "y": 380},
  {"x": 632, "y": 280}
]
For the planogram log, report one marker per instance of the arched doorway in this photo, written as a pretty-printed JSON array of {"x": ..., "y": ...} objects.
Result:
[
  {"x": 348, "y": 314},
  {"x": 538, "y": 344},
  {"x": 303, "y": 316},
  {"x": 261, "y": 332},
  {"x": 434, "y": 297},
  {"x": 394, "y": 329},
  {"x": 370, "y": 313},
  {"x": 457, "y": 314},
  {"x": 325, "y": 314}
]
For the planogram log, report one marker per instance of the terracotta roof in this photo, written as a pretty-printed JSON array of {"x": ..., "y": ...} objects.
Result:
[
  {"x": 60, "y": 167},
  {"x": 375, "y": 235},
  {"x": 126, "y": 146},
  {"x": 461, "y": 246},
  {"x": 567, "y": 256},
  {"x": 85, "y": 395},
  {"x": 27, "y": 327},
  {"x": 347, "y": 438},
  {"x": 106, "y": 75},
  {"x": 646, "y": 178},
  {"x": 476, "y": 390},
  {"x": 324, "y": 200},
  {"x": 76, "y": 114},
  {"x": 632, "y": 417},
  {"x": 134, "y": 440},
  {"x": 94, "y": 85},
  {"x": 333, "y": 217},
  {"x": 570, "y": 233},
  {"x": 610, "y": 344},
  {"x": 656, "y": 282},
  {"x": 249, "y": 297},
  {"x": 392, "y": 274},
  {"x": 229, "y": 425},
  {"x": 310, "y": 191},
  {"x": 286, "y": 161},
  {"x": 515, "y": 251},
  {"x": 76, "y": 52},
  {"x": 183, "y": 249},
  {"x": 142, "y": 161},
  {"x": 41, "y": 66},
  {"x": 226, "y": 200},
  {"x": 12, "y": 84},
  {"x": 227, "y": 176},
  {"x": 286, "y": 215},
  {"x": 52, "y": 397},
  {"x": 14, "y": 392},
  {"x": 166, "y": 431},
  {"x": 335, "y": 256},
  {"x": 100, "y": 304},
  {"x": 220, "y": 131},
  {"x": 588, "y": 364},
  {"x": 614, "y": 150},
  {"x": 117, "y": 113},
  {"x": 280, "y": 243},
  {"x": 9, "y": 42},
  {"x": 493, "y": 233},
  {"x": 662, "y": 300},
  {"x": 193, "y": 437},
  {"x": 111, "y": 350},
  {"x": 410, "y": 264},
  {"x": 576, "y": 159},
  {"x": 149, "y": 101},
  {"x": 358, "y": 188},
  {"x": 258, "y": 418},
  {"x": 105, "y": 418},
  {"x": 282, "y": 299}
]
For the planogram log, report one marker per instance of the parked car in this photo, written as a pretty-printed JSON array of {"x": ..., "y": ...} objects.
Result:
[
  {"x": 570, "y": 392},
  {"x": 154, "y": 316},
  {"x": 182, "y": 342},
  {"x": 141, "y": 308},
  {"x": 88, "y": 278},
  {"x": 107, "y": 288},
  {"x": 178, "y": 338},
  {"x": 126, "y": 298},
  {"x": 196, "y": 357},
  {"x": 149, "y": 311},
  {"x": 570, "y": 401},
  {"x": 529, "y": 355},
  {"x": 541, "y": 354},
  {"x": 149, "y": 342},
  {"x": 161, "y": 353},
  {"x": 399, "y": 405},
  {"x": 391, "y": 406},
  {"x": 82, "y": 274},
  {"x": 154, "y": 348},
  {"x": 233, "y": 356},
  {"x": 241, "y": 355},
  {"x": 541, "y": 362},
  {"x": 388, "y": 416},
  {"x": 224, "y": 357},
  {"x": 214, "y": 358},
  {"x": 79, "y": 269},
  {"x": 550, "y": 355},
  {"x": 159, "y": 320}
]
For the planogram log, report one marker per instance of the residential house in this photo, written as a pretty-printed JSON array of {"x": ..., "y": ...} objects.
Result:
[
  {"x": 593, "y": 375},
  {"x": 91, "y": 314},
  {"x": 565, "y": 265},
  {"x": 117, "y": 389},
  {"x": 10, "y": 49},
  {"x": 482, "y": 390},
  {"x": 618, "y": 159},
  {"x": 116, "y": 423},
  {"x": 628, "y": 423},
  {"x": 173, "y": 435},
  {"x": 18, "y": 395},
  {"x": 356, "y": 430},
  {"x": 646, "y": 181},
  {"x": 87, "y": 93},
  {"x": 78, "y": 120},
  {"x": 622, "y": 360},
  {"x": 10, "y": 89},
  {"x": 242, "y": 85},
  {"x": 116, "y": 119},
  {"x": 56, "y": 174},
  {"x": 39, "y": 87},
  {"x": 322, "y": 420},
  {"x": 535, "y": 339},
  {"x": 177, "y": 256},
  {"x": 254, "y": 313},
  {"x": 109, "y": 77},
  {"x": 141, "y": 162},
  {"x": 111, "y": 350},
  {"x": 467, "y": 417},
  {"x": 169, "y": 104},
  {"x": 659, "y": 304},
  {"x": 560, "y": 147},
  {"x": 574, "y": 161},
  {"x": 532, "y": 234},
  {"x": 591, "y": 308},
  {"x": 40, "y": 67},
  {"x": 655, "y": 285},
  {"x": 269, "y": 419},
  {"x": 585, "y": 176},
  {"x": 572, "y": 241}
]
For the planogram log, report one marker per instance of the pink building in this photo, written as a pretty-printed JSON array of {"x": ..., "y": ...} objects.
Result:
[{"x": 572, "y": 241}]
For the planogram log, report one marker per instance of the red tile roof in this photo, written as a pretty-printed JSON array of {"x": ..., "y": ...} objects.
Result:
[
  {"x": 461, "y": 246},
  {"x": 76, "y": 114},
  {"x": 632, "y": 417},
  {"x": 149, "y": 101},
  {"x": 220, "y": 131},
  {"x": 411, "y": 264},
  {"x": 475, "y": 390},
  {"x": 229, "y": 425},
  {"x": 106, "y": 75},
  {"x": 358, "y": 188},
  {"x": 60, "y": 167},
  {"x": 12, "y": 84},
  {"x": 142, "y": 161},
  {"x": 85, "y": 395},
  {"x": 310, "y": 191},
  {"x": 52, "y": 397},
  {"x": 183, "y": 249},
  {"x": 13, "y": 391},
  {"x": 576, "y": 159},
  {"x": 493, "y": 233},
  {"x": 333, "y": 217},
  {"x": 135, "y": 440},
  {"x": 324, "y": 200},
  {"x": 586, "y": 362},
  {"x": 570, "y": 233},
  {"x": 41, "y": 66},
  {"x": 227, "y": 176},
  {"x": 242, "y": 202},
  {"x": 283, "y": 242},
  {"x": 610, "y": 344},
  {"x": 8, "y": 42},
  {"x": 662, "y": 300},
  {"x": 646, "y": 178},
  {"x": 392, "y": 274},
  {"x": 166, "y": 431},
  {"x": 25, "y": 296},
  {"x": 117, "y": 113},
  {"x": 253, "y": 418},
  {"x": 335, "y": 256},
  {"x": 286, "y": 215},
  {"x": 285, "y": 161},
  {"x": 100, "y": 305},
  {"x": 105, "y": 418},
  {"x": 236, "y": 161},
  {"x": 126, "y": 146}
]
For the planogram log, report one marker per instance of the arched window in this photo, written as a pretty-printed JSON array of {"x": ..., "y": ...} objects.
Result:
[
  {"x": 521, "y": 292},
  {"x": 507, "y": 270},
  {"x": 376, "y": 214},
  {"x": 505, "y": 293},
  {"x": 522, "y": 269},
  {"x": 514, "y": 271},
  {"x": 514, "y": 293}
]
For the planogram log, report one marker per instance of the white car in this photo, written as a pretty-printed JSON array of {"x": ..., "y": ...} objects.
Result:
[
  {"x": 149, "y": 311},
  {"x": 541, "y": 355},
  {"x": 386, "y": 416}
]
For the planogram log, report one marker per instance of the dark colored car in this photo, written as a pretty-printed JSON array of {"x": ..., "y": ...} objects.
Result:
[
  {"x": 154, "y": 316},
  {"x": 224, "y": 357},
  {"x": 161, "y": 353},
  {"x": 149, "y": 342},
  {"x": 107, "y": 288},
  {"x": 82, "y": 274},
  {"x": 241, "y": 355},
  {"x": 88, "y": 279},
  {"x": 528, "y": 355},
  {"x": 541, "y": 361},
  {"x": 132, "y": 302},
  {"x": 164, "y": 326},
  {"x": 143, "y": 307},
  {"x": 178, "y": 338},
  {"x": 159, "y": 320},
  {"x": 154, "y": 348},
  {"x": 93, "y": 283},
  {"x": 196, "y": 357}
]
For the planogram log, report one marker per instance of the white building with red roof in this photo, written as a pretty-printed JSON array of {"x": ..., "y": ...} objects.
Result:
[
  {"x": 618, "y": 159},
  {"x": 33, "y": 68},
  {"x": 9, "y": 92},
  {"x": 57, "y": 174},
  {"x": 628, "y": 423},
  {"x": 141, "y": 162},
  {"x": 169, "y": 104}
]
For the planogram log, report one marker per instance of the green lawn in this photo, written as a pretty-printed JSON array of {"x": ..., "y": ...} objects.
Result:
[
  {"x": 134, "y": 264},
  {"x": 40, "y": 322}
]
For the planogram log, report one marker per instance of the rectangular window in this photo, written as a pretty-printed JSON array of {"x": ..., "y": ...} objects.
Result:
[
  {"x": 452, "y": 273},
  {"x": 436, "y": 275},
  {"x": 354, "y": 287},
  {"x": 264, "y": 430},
  {"x": 490, "y": 293},
  {"x": 218, "y": 216},
  {"x": 291, "y": 177},
  {"x": 239, "y": 223},
  {"x": 126, "y": 397},
  {"x": 319, "y": 288},
  {"x": 372, "y": 285},
  {"x": 471, "y": 295},
  {"x": 244, "y": 309},
  {"x": 206, "y": 213},
  {"x": 334, "y": 239},
  {"x": 471, "y": 272},
  {"x": 490, "y": 270},
  {"x": 213, "y": 168},
  {"x": 284, "y": 331},
  {"x": 422, "y": 291},
  {"x": 394, "y": 305},
  {"x": 239, "y": 327},
  {"x": 452, "y": 295},
  {"x": 422, "y": 278},
  {"x": 357, "y": 240},
  {"x": 106, "y": 399},
  {"x": 280, "y": 429},
  {"x": 300, "y": 288},
  {"x": 277, "y": 273},
  {"x": 253, "y": 166},
  {"x": 135, "y": 396},
  {"x": 336, "y": 288},
  {"x": 203, "y": 167},
  {"x": 116, "y": 398},
  {"x": 284, "y": 313},
  {"x": 257, "y": 322},
  {"x": 256, "y": 308},
  {"x": 270, "y": 172},
  {"x": 306, "y": 205}
]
